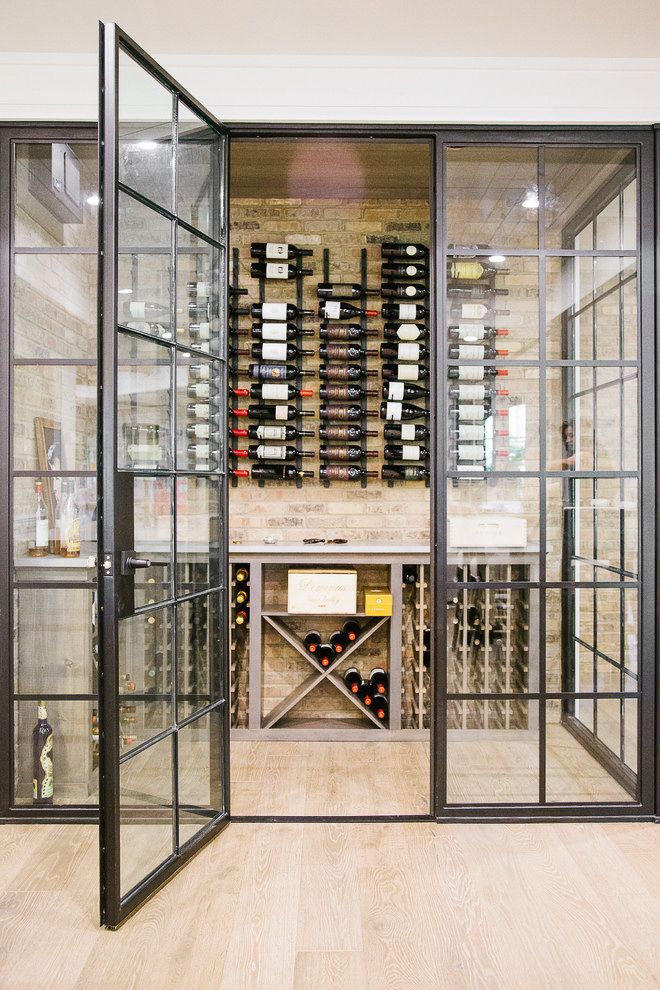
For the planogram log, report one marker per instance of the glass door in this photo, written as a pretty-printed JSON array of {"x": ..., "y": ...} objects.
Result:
[{"x": 162, "y": 554}]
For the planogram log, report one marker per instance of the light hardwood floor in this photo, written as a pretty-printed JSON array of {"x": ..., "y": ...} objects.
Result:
[{"x": 314, "y": 907}]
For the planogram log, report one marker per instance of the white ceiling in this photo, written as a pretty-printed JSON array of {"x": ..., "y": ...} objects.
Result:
[{"x": 588, "y": 28}]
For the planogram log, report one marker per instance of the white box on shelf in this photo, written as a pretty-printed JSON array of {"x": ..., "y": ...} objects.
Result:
[
  {"x": 488, "y": 530},
  {"x": 322, "y": 591}
]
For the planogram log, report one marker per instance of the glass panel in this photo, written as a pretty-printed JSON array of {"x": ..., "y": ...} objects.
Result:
[
  {"x": 153, "y": 538},
  {"x": 143, "y": 404},
  {"x": 55, "y": 195},
  {"x": 198, "y": 172},
  {"x": 55, "y": 531},
  {"x": 492, "y": 752},
  {"x": 630, "y": 732},
  {"x": 491, "y": 198},
  {"x": 197, "y": 648},
  {"x": 198, "y": 398},
  {"x": 54, "y": 418},
  {"x": 146, "y": 812},
  {"x": 54, "y": 306},
  {"x": 144, "y": 281},
  {"x": 55, "y": 641},
  {"x": 198, "y": 300},
  {"x": 572, "y": 773},
  {"x": 74, "y": 753},
  {"x": 583, "y": 184},
  {"x": 500, "y": 516},
  {"x": 201, "y": 793},
  {"x": 197, "y": 534},
  {"x": 146, "y": 160},
  {"x": 145, "y": 676}
]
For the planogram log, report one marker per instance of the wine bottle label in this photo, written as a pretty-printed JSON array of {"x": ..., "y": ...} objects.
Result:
[
  {"x": 41, "y": 534},
  {"x": 273, "y": 311},
  {"x": 466, "y": 269},
  {"x": 411, "y": 250},
  {"x": 277, "y": 271},
  {"x": 332, "y": 310},
  {"x": 407, "y": 311},
  {"x": 469, "y": 432},
  {"x": 410, "y": 452},
  {"x": 268, "y": 451},
  {"x": 46, "y": 762},
  {"x": 273, "y": 352},
  {"x": 269, "y": 372},
  {"x": 273, "y": 331},
  {"x": 274, "y": 391},
  {"x": 477, "y": 392},
  {"x": 277, "y": 250},
  {"x": 411, "y": 269},
  {"x": 471, "y": 330},
  {"x": 201, "y": 430},
  {"x": 473, "y": 311},
  {"x": 137, "y": 310},
  {"x": 408, "y": 331},
  {"x": 471, "y": 373},
  {"x": 408, "y": 352},
  {"x": 407, "y": 431},
  {"x": 271, "y": 432},
  {"x": 471, "y": 352},
  {"x": 281, "y": 412},
  {"x": 202, "y": 390},
  {"x": 472, "y": 412},
  {"x": 408, "y": 372},
  {"x": 471, "y": 452},
  {"x": 393, "y": 410},
  {"x": 470, "y": 467},
  {"x": 396, "y": 391}
]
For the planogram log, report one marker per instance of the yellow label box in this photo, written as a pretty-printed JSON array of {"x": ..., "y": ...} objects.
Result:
[{"x": 377, "y": 601}]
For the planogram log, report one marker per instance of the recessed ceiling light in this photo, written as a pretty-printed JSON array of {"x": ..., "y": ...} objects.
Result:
[
  {"x": 531, "y": 201},
  {"x": 497, "y": 259},
  {"x": 93, "y": 200}
]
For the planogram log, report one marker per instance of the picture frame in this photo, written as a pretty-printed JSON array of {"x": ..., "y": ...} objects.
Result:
[{"x": 48, "y": 434}]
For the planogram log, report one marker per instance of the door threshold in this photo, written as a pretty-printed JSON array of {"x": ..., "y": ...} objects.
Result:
[{"x": 329, "y": 819}]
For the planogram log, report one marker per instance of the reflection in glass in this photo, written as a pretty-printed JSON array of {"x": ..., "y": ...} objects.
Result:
[
  {"x": 197, "y": 534},
  {"x": 144, "y": 270},
  {"x": 198, "y": 391},
  {"x": 145, "y": 145},
  {"x": 55, "y": 489},
  {"x": 46, "y": 215},
  {"x": 197, "y": 654},
  {"x": 201, "y": 795},
  {"x": 501, "y": 514},
  {"x": 65, "y": 400},
  {"x": 572, "y": 773},
  {"x": 198, "y": 173},
  {"x": 53, "y": 641},
  {"x": 143, "y": 404},
  {"x": 146, "y": 812},
  {"x": 75, "y": 751},
  {"x": 152, "y": 538},
  {"x": 197, "y": 292},
  {"x": 54, "y": 306},
  {"x": 145, "y": 676}
]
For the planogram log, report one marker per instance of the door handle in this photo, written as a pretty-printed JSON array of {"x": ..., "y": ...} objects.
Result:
[{"x": 129, "y": 562}]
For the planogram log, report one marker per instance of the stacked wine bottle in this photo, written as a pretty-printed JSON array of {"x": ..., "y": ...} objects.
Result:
[
  {"x": 344, "y": 375},
  {"x": 325, "y": 652},
  {"x": 203, "y": 385},
  {"x": 372, "y": 691},
  {"x": 275, "y": 373},
  {"x": 478, "y": 413},
  {"x": 405, "y": 353}
]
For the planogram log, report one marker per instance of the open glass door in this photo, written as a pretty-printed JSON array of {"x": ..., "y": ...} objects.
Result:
[{"x": 162, "y": 532}]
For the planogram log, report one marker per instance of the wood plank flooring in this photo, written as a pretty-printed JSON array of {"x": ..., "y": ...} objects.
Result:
[{"x": 415, "y": 906}]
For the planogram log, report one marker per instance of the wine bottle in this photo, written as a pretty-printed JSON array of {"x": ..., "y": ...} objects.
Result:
[
  {"x": 201, "y": 331},
  {"x": 379, "y": 680},
  {"x": 475, "y": 393},
  {"x": 281, "y": 433},
  {"x": 200, "y": 431},
  {"x": 279, "y": 391},
  {"x": 475, "y": 352},
  {"x": 345, "y": 393},
  {"x": 200, "y": 451},
  {"x": 392, "y": 270},
  {"x": 345, "y": 433},
  {"x": 403, "y": 290},
  {"x": 147, "y": 311},
  {"x": 469, "y": 250},
  {"x": 392, "y": 250},
  {"x": 397, "y": 391},
  {"x": 405, "y": 331},
  {"x": 475, "y": 372},
  {"x": 365, "y": 693},
  {"x": 410, "y": 574},
  {"x": 278, "y": 331},
  {"x": 343, "y": 290},
  {"x": 405, "y": 372},
  {"x": 274, "y": 372},
  {"x": 398, "y": 411},
  {"x": 276, "y": 351},
  {"x": 278, "y": 311},
  {"x": 350, "y": 630},
  {"x": 344, "y": 372},
  {"x": 265, "y": 452},
  {"x": 475, "y": 292},
  {"x": 474, "y": 452},
  {"x": 203, "y": 372},
  {"x": 470, "y": 432},
  {"x": 344, "y": 453},
  {"x": 349, "y": 472},
  {"x": 406, "y": 312},
  {"x": 280, "y": 413},
  {"x": 381, "y": 708},
  {"x": 405, "y": 431},
  {"x": 199, "y": 390},
  {"x": 404, "y": 351},
  {"x": 344, "y": 331},
  {"x": 241, "y": 617},
  {"x": 275, "y": 269},
  {"x": 241, "y": 574},
  {"x": 272, "y": 251},
  {"x": 325, "y": 655},
  {"x": 42, "y": 759},
  {"x": 476, "y": 412},
  {"x": 203, "y": 289},
  {"x": 405, "y": 452},
  {"x": 475, "y": 311},
  {"x": 472, "y": 333},
  {"x": 400, "y": 472},
  {"x": 278, "y": 472},
  {"x": 353, "y": 680},
  {"x": 69, "y": 522},
  {"x": 472, "y": 270},
  {"x": 202, "y": 410},
  {"x": 312, "y": 641},
  {"x": 344, "y": 352},
  {"x": 241, "y": 596},
  {"x": 337, "y": 641},
  {"x": 40, "y": 548},
  {"x": 337, "y": 412},
  {"x": 333, "y": 309}
]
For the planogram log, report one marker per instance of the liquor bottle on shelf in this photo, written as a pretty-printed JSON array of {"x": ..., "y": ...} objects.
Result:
[
  {"x": 345, "y": 453},
  {"x": 343, "y": 290},
  {"x": 42, "y": 759},
  {"x": 477, "y": 292},
  {"x": 472, "y": 333},
  {"x": 401, "y": 472},
  {"x": 275, "y": 269},
  {"x": 274, "y": 372},
  {"x": 398, "y": 411},
  {"x": 344, "y": 352},
  {"x": 405, "y": 331},
  {"x": 278, "y": 472},
  {"x": 379, "y": 680},
  {"x": 333, "y": 309},
  {"x": 475, "y": 372},
  {"x": 344, "y": 331},
  {"x": 241, "y": 617},
  {"x": 339, "y": 413},
  {"x": 405, "y": 452},
  {"x": 277, "y": 311},
  {"x": 345, "y": 372},
  {"x": 344, "y": 433},
  {"x": 397, "y": 270},
  {"x": 69, "y": 522},
  {"x": 266, "y": 451},
  {"x": 380, "y": 707},
  {"x": 404, "y": 351},
  {"x": 475, "y": 392},
  {"x": 405, "y": 312},
  {"x": 393, "y": 250},
  {"x": 353, "y": 680},
  {"x": 325, "y": 655},
  {"x": 282, "y": 433},
  {"x": 471, "y": 432},
  {"x": 403, "y": 290},
  {"x": 405, "y": 372},
  {"x": 473, "y": 270},
  {"x": 337, "y": 641},
  {"x": 312, "y": 641},
  {"x": 475, "y": 352},
  {"x": 275, "y": 413},
  {"x": 275, "y": 252},
  {"x": 406, "y": 431},
  {"x": 351, "y": 630},
  {"x": 475, "y": 311},
  {"x": 279, "y": 391},
  {"x": 276, "y": 351},
  {"x": 40, "y": 548},
  {"x": 348, "y": 472},
  {"x": 278, "y": 331},
  {"x": 349, "y": 392}
]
